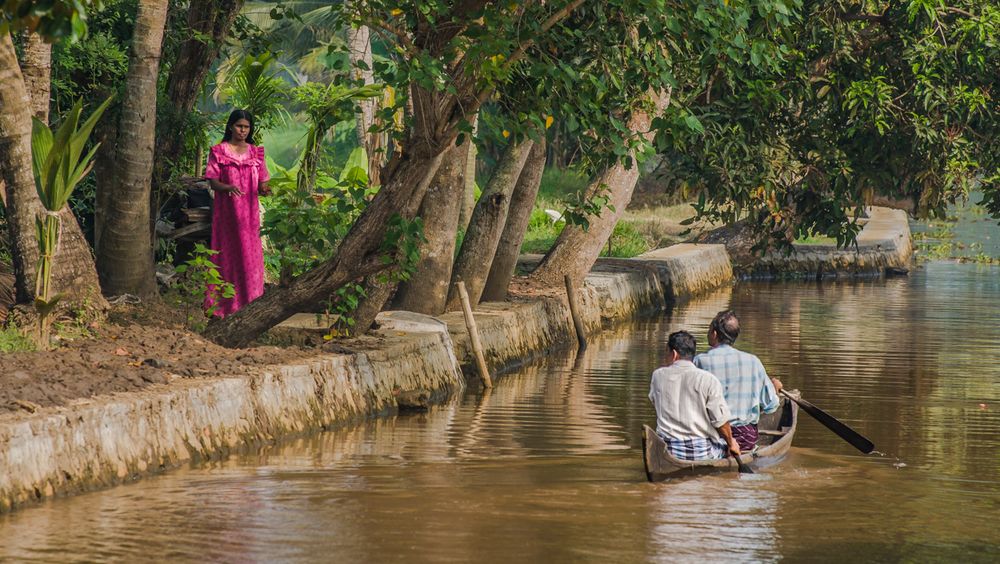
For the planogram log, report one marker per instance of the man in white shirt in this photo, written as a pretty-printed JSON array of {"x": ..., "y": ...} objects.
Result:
[{"x": 691, "y": 412}]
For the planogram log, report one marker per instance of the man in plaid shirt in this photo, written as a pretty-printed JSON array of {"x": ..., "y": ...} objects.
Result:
[{"x": 747, "y": 388}]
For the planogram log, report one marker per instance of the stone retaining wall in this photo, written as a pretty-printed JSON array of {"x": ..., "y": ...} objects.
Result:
[{"x": 883, "y": 243}]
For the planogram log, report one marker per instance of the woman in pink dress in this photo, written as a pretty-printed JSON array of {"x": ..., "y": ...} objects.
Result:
[{"x": 237, "y": 174}]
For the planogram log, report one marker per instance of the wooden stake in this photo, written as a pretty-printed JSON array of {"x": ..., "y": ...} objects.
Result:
[
  {"x": 477, "y": 347},
  {"x": 574, "y": 311}
]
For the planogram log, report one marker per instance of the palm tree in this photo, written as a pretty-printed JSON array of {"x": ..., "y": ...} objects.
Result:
[{"x": 125, "y": 249}]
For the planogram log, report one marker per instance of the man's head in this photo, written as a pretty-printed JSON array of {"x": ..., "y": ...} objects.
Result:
[
  {"x": 725, "y": 328},
  {"x": 681, "y": 346}
]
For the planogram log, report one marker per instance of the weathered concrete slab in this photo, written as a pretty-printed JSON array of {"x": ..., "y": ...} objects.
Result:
[
  {"x": 884, "y": 242},
  {"x": 687, "y": 269}
]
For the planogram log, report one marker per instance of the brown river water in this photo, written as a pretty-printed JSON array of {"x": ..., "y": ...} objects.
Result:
[{"x": 547, "y": 467}]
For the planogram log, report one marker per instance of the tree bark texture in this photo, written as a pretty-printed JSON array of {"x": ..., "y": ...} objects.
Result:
[
  {"x": 209, "y": 23},
  {"x": 427, "y": 290},
  {"x": 73, "y": 265},
  {"x": 125, "y": 260},
  {"x": 481, "y": 239},
  {"x": 378, "y": 292},
  {"x": 37, "y": 69},
  {"x": 575, "y": 250},
  {"x": 469, "y": 194},
  {"x": 522, "y": 202},
  {"x": 106, "y": 133}
]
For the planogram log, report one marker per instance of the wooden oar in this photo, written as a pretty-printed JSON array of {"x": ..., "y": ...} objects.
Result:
[
  {"x": 743, "y": 466},
  {"x": 832, "y": 423}
]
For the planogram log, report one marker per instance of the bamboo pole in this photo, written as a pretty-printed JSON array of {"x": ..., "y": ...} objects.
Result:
[
  {"x": 477, "y": 347},
  {"x": 574, "y": 311}
]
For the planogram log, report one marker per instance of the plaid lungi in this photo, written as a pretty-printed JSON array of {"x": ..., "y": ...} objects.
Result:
[
  {"x": 695, "y": 449},
  {"x": 746, "y": 436}
]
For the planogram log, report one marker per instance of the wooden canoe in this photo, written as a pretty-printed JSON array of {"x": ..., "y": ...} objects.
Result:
[{"x": 776, "y": 432}]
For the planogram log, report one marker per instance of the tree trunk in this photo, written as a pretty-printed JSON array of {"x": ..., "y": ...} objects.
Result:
[
  {"x": 522, "y": 202},
  {"x": 209, "y": 23},
  {"x": 576, "y": 250},
  {"x": 73, "y": 266},
  {"x": 427, "y": 289},
  {"x": 37, "y": 70},
  {"x": 469, "y": 194},
  {"x": 125, "y": 260},
  {"x": 106, "y": 133},
  {"x": 481, "y": 239}
]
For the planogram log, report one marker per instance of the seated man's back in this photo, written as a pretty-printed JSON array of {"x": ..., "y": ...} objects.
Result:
[
  {"x": 745, "y": 383},
  {"x": 691, "y": 413}
]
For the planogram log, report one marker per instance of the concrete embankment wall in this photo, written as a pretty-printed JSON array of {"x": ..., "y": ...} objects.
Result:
[
  {"x": 103, "y": 441},
  {"x": 883, "y": 243}
]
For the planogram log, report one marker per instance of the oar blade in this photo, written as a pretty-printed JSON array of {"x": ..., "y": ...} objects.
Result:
[{"x": 855, "y": 439}]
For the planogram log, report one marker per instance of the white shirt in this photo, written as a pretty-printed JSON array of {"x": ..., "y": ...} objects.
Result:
[{"x": 688, "y": 400}]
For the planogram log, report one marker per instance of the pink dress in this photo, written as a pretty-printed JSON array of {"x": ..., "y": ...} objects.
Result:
[{"x": 236, "y": 224}]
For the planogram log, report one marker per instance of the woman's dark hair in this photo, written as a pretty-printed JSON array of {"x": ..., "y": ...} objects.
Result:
[
  {"x": 684, "y": 343},
  {"x": 233, "y": 118}
]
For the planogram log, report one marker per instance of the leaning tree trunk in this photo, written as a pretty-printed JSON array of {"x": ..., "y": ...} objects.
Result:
[
  {"x": 37, "y": 70},
  {"x": 125, "y": 257},
  {"x": 427, "y": 290},
  {"x": 469, "y": 194},
  {"x": 209, "y": 23},
  {"x": 575, "y": 250},
  {"x": 378, "y": 291},
  {"x": 73, "y": 266},
  {"x": 481, "y": 239},
  {"x": 522, "y": 202}
]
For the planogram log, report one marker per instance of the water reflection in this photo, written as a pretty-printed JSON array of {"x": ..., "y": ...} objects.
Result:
[{"x": 546, "y": 467}]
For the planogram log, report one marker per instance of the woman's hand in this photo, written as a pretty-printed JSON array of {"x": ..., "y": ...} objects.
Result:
[
  {"x": 263, "y": 189},
  {"x": 223, "y": 187}
]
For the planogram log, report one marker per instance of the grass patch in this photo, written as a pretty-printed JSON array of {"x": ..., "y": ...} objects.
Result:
[
  {"x": 13, "y": 340},
  {"x": 626, "y": 241},
  {"x": 816, "y": 240},
  {"x": 558, "y": 184},
  {"x": 541, "y": 234}
]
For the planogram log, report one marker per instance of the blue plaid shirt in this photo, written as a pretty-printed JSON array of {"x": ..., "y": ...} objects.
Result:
[{"x": 745, "y": 384}]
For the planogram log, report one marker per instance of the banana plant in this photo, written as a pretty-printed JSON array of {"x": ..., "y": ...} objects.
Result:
[{"x": 59, "y": 164}]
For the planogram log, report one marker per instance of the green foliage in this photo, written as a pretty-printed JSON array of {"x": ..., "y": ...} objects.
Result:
[
  {"x": 200, "y": 279},
  {"x": 542, "y": 232},
  {"x": 326, "y": 106},
  {"x": 304, "y": 228},
  {"x": 561, "y": 184},
  {"x": 345, "y": 301},
  {"x": 580, "y": 208},
  {"x": 255, "y": 87},
  {"x": 59, "y": 164},
  {"x": 401, "y": 248},
  {"x": 58, "y": 160},
  {"x": 88, "y": 69},
  {"x": 53, "y": 19},
  {"x": 626, "y": 241},
  {"x": 896, "y": 99},
  {"x": 12, "y": 339}
]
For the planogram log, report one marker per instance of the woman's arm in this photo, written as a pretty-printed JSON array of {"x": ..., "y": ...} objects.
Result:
[{"x": 223, "y": 187}]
